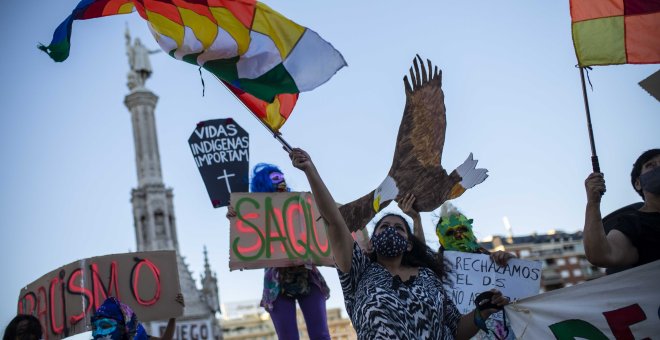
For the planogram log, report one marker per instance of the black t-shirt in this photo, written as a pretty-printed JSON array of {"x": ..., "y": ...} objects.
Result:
[{"x": 643, "y": 230}]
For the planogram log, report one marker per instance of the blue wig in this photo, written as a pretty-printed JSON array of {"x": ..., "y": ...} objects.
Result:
[{"x": 261, "y": 178}]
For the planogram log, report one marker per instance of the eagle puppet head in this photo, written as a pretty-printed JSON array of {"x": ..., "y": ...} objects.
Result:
[{"x": 386, "y": 191}]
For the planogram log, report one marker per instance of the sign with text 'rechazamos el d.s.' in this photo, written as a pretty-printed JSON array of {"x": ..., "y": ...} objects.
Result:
[
  {"x": 188, "y": 329},
  {"x": 278, "y": 229},
  {"x": 221, "y": 149},
  {"x": 472, "y": 274},
  {"x": 64, "y": 299}
]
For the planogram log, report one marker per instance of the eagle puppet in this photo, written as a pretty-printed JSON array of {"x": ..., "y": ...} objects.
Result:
[{"x": 416, "y": 167}]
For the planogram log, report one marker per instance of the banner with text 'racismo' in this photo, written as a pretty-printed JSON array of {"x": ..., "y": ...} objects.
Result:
[{"x": 64, "y": 299}]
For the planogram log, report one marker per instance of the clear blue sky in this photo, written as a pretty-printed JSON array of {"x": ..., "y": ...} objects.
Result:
[{"x": 512, "y": 95}]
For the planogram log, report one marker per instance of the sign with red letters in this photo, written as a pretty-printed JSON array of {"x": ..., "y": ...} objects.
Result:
[{"x": 64, "y": 299}]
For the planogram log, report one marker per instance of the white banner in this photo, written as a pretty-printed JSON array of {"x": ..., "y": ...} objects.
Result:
[
  {"x": 624, "y": 305},
  {"x": 199, "y": 329},
  {"x": 475, "y": 273}
]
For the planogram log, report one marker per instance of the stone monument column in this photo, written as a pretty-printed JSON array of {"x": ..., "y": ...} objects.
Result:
[
  {"x": 153, "y": 206},
  {"x": 153, "y": 209}
]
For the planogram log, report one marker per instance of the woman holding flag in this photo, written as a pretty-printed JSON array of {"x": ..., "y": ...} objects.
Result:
[{"x": 390, "y": 297}]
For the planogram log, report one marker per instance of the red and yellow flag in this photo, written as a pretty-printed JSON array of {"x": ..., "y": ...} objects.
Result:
[
  {"x": 265, "y": 58},
  {"x": 609, "y": 32}
]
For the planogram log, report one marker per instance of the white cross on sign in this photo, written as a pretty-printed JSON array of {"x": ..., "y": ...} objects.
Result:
[{"x": 226, "y": 177}]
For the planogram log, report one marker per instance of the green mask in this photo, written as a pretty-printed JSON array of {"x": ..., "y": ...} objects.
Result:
[{"x": 455, "y": 233}]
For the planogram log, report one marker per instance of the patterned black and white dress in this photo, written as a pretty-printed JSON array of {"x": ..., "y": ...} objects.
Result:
[{"x": 384, "y": 307}]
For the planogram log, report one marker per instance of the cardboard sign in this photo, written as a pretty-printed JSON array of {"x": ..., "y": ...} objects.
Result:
[
  {"x": 278, "y": 229},
  {"x": 197, "y": 329},
  {"x": 475, "y": 273},
  {"x": 64, "y": 299},
  {"x": 221, "y": 149},
  {"x": 620, "y": 306}
]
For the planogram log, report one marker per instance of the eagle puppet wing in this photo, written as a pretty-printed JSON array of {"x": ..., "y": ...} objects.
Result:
[{"x": 416, "y": 166}]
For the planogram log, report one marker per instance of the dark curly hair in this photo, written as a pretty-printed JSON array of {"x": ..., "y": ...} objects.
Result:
[
  {"x": 420, "y": 255},
  {"x": 637, "y": 167},
  {"x": 30, "y": 330}
]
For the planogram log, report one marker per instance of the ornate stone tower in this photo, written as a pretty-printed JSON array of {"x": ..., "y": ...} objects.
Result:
[
  {"x": 153, "y": 210},
  {"x": 153, "y": 207},
  {"x": 210, "y": 285}
]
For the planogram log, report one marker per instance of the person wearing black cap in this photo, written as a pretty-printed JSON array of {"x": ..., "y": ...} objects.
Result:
[{"x": 634, "y": 239}]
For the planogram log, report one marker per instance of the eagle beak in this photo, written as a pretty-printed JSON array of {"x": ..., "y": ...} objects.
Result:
[
  {"x": 456, "y": 190},
  {"x": 377, "y": 203}
]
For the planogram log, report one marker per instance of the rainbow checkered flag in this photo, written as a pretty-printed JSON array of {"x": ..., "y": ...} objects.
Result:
[
  {"x": 263, "y": 57},
  {"x": 612, "y": 32},
  {"x": 609, "y": 32}
]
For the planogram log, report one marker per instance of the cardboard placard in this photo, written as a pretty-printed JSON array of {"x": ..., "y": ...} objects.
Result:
[
  {"x": 221, "y": 149},
  {"x": 472, "y": 274},
  {"x": 65, "y": 298},
  {"x": 193, "y": 329},
  {"x": 278, "y": 229}
]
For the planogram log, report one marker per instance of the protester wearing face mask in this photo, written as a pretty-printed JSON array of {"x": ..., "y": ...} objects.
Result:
[
  {"x": 635, "y": 238},
  {"x": 114, "y": 320},
  {"x": 398, "y": 291}
]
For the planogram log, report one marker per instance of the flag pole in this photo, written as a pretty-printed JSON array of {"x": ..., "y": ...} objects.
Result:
[
  {"x": 594, "y": 158},
  {"x": 276, "y": 134}
]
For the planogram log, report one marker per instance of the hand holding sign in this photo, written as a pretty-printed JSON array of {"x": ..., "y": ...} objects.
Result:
[{"x": 231, "y": 213}]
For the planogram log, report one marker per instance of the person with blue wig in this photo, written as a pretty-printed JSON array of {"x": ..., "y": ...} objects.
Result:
[{"x": 284, "y": 286}]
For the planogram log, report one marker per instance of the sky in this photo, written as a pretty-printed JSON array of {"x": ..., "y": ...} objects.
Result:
[{"x": 512, "y": 92}]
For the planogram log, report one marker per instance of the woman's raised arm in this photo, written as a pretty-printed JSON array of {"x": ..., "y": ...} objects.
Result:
[{"x": 340, "y": 237}]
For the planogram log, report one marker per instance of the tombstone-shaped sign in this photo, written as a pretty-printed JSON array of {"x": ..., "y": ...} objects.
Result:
[{"x": 221, "y": 149}]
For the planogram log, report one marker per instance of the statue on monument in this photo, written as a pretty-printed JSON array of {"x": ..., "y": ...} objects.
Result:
[{"x": 138, "y": 60}]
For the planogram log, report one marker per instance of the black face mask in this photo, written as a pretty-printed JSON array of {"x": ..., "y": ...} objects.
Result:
[
  {"x": 650, "y": 181},
  {"x": 389, "y": 243}
]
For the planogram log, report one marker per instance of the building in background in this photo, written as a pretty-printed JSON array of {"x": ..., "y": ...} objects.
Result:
[
  {"x": 561, "y": 254},
  {"x": 248, "y": 321},
  {"x": 153, "y": 208},
  {"x": 340, "y": 328}
]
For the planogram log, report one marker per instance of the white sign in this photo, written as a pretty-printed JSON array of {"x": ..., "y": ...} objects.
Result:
[
  {"x": 186, "y": 329},
  {"x": 472, "y": 274},
  {"x": 624, "y": 305}
]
